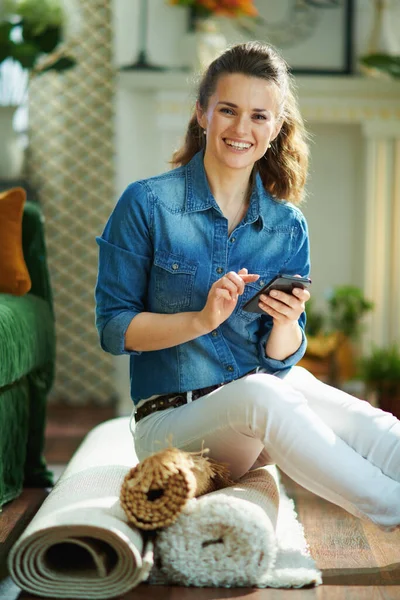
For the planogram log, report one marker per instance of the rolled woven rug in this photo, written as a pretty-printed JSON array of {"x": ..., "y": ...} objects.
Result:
[
  {"x": 79, "y": 544},
  {"x": 223, "y": 539},
  {"x": 155, "y": 491}
]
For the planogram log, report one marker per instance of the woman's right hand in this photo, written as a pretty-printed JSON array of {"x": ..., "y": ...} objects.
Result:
[{"x": 223, "y": 296}]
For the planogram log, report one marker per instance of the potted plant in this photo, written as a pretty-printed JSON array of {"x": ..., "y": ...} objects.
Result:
[
  {"x": 321, "y": 343},
  {"x": 347, "y": 307},
  {"x": 330, "y": 351},
  {"x": 32, "y": 36},
  {"x": 32, "y": 32},
  {"x": 381, "y": 373}
]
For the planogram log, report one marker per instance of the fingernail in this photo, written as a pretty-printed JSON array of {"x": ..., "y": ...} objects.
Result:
[{"x": 274, "y": 293}]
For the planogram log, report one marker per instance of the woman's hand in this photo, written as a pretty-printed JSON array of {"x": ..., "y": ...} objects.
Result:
[
  {"x": 222, "y": 298},
  {"x": 285, "y": 309}
]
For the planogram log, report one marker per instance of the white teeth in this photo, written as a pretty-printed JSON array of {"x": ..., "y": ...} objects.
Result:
[{"x": 238, "y": 145}]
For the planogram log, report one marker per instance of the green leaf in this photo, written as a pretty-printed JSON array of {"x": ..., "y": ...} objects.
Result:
[
  {"x": 47, "y": 40},
  {"x": 347, "y": 307},
  {"x": 5, "y": 30},
  {"x": 26, "y": 54},
  {"x": 382, "y": 365},
  {"x": 383, "y": 62},
  {"x": 62, "y": 64}
]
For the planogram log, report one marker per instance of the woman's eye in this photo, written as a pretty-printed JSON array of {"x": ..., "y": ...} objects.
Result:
[
  {"x": 227, "y": 111},
  {"x": 259, "y": 117}
]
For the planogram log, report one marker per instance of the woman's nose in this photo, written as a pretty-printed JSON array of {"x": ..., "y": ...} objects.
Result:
[{"x": 241, "y": 126}]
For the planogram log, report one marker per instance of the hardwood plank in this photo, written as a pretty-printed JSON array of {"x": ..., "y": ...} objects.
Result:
[
  {"x": 16, "y": 516},
  {"x": 386, "y": 550},
  {"x": 145, "y": 592},
  {"x": 67, "y": 426},
  {"x": 339, "y": 592},
  {"x": 348, "y": 551}
]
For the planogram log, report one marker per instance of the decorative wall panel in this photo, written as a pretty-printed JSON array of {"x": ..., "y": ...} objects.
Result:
[{"x": 71, "y": 161}]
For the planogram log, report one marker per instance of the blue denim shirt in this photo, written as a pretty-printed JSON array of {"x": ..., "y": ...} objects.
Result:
[{"x": 165, "y": 243}]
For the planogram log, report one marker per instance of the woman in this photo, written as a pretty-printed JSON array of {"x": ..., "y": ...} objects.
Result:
[{"x": 180, "y": 255}]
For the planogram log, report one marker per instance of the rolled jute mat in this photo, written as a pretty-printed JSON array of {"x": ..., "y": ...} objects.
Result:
[
  {"x": 155, "y": 491},
  {"x": 79, "y": 544}
]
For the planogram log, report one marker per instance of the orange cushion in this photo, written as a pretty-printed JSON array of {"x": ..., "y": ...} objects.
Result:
[{"x": 14, "y": 275}]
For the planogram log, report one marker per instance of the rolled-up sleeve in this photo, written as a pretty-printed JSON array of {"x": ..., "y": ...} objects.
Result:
[
  {"x": 275, "y": 366},
  {"x": 299, "y": 264},
  {"x": 125, "y": 255}
]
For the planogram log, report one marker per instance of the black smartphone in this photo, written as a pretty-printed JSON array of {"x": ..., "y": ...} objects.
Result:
[{"x": 284, "y": 283}]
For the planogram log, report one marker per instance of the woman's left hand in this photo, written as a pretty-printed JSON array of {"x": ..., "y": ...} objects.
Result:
[{"x": 284, "y": 308}]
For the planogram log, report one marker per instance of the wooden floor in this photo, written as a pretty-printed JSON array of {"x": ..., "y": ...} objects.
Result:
[{"x": 358, "y": 561}]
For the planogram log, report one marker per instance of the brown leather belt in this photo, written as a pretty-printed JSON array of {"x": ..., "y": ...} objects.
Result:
[{"x": 174, "y": 400}]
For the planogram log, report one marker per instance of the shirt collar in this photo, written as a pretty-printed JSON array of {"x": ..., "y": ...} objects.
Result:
[{"x": 199, "y": 196}]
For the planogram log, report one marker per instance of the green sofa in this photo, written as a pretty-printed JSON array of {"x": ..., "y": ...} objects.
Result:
[{"x": 27, "y": 357}]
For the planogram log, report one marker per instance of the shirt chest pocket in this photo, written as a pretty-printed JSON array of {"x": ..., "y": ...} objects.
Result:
[{"x": 174, "y": 281}]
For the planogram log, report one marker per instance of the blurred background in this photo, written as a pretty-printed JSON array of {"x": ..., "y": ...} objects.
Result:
[{"x": 103, "y": 99}]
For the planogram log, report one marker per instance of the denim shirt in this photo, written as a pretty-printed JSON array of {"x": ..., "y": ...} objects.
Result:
[{"x": 164, "y": 245}]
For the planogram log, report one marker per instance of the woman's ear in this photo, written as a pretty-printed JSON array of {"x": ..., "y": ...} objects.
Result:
[
  {"x": 277, "y": 128},
  {"x": 201, "y": 117}
]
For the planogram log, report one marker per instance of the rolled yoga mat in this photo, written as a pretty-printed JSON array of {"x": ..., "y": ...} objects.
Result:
[{"x": 79, "y": 544}]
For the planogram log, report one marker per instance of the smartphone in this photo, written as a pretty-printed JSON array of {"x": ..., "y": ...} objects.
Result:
[{"x": 284, "y": 283}]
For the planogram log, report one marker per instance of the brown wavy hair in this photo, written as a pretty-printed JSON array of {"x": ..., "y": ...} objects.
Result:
[{"x": 283, "y": 168}]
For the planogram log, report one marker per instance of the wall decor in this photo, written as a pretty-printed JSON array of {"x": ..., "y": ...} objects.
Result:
[{"x": 315, "y": 37}]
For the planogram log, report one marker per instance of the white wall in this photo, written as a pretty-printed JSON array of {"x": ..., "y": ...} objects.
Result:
[{"x": 334, "y": 207}]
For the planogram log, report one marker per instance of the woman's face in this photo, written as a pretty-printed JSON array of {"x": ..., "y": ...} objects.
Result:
[{"x": 240, "y": 121}]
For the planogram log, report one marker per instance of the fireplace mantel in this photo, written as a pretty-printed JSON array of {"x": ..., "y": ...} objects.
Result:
[{"x": 322, "y": 98}]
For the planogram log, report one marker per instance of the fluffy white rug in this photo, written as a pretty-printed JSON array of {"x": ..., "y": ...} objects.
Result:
[{"x": 236, "y": 537}]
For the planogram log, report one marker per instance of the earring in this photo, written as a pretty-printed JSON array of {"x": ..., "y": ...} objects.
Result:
[
  {"x": 204, "y": 132},
  {"x": 269, "y": 145}
]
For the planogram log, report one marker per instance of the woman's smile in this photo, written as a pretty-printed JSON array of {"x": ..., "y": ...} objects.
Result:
[{"x": 237, "y": 146}]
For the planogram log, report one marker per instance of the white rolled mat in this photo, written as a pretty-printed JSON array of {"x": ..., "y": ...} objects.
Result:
[{"x": 79, "y": 544}]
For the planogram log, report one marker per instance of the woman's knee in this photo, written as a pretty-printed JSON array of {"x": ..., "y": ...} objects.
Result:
[
  {"x": 266, "y": 391},
  {"x": 259, "y": 400}
]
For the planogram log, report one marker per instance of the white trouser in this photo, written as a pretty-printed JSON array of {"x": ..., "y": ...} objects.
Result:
[{"x": 331, "y": 443}]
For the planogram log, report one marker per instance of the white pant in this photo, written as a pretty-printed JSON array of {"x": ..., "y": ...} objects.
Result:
[{"x": 333, "y": 444}]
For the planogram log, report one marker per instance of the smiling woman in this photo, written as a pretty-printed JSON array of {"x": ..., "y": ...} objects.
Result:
[{"x": 176, "y": 257}]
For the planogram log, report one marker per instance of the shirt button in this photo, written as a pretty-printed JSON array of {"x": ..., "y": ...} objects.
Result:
[
  {"x": 230, "y": 368},
  {"x": 214, "y": 333},
  {"x": 233, "y": 239},
  {"x": 175, "y": 266},
  {"x": 261, "y": 282},
  {"x": 220, "y": 270}
]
